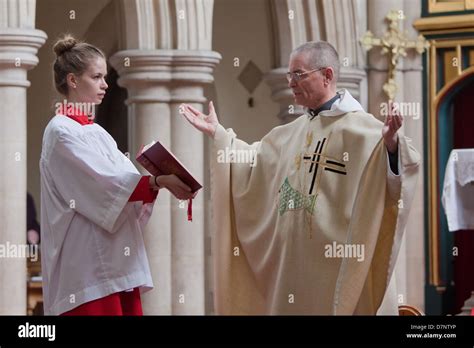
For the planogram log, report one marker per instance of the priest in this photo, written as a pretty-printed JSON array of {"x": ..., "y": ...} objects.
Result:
[{"x": 313, "y": 224}]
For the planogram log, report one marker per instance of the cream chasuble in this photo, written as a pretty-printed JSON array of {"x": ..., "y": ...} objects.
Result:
[{"x": 309, "y": 226}]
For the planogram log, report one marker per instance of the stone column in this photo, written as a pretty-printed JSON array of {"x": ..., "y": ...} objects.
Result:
[
  {"x": 377, "y": 76},
  {"x": 18, "y": 49},
  {"x": 410, "y": 271},
  {"x": 158, "y": 81},
  {"x": 283, "y": 95},
  {"x": 378, "y": 63},
  {"x": 415, "y": 230}
]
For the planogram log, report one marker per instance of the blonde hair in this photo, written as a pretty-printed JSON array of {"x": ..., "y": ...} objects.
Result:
[{"x": 72, "y": 57}]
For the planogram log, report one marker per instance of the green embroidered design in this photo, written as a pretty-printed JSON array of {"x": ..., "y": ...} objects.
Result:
[{"x": 291, "y": 199}]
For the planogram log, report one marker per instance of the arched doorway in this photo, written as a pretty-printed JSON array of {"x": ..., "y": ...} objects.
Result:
[
  {"x": 449, "y": 70},
  {"x": 455, "y": 131},
  {"x": 450, "y": 253}
]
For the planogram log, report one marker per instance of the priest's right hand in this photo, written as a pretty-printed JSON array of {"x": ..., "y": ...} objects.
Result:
[
  {"x": 173, "y": 184},
  {"x": 205, "y": 123}
]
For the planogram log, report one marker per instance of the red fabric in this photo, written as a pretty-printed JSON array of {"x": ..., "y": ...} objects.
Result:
[
  {"x": 143, "y": 192},
  {"x": 76, "y": 115},
  {"x": 190, "y": 209},
  {"x": 120, "y": 303}
]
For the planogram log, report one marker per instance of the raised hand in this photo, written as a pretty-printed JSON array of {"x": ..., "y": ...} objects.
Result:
[
  {"x": 205, "y": 123},
  {"x": 392, "y": 124}
]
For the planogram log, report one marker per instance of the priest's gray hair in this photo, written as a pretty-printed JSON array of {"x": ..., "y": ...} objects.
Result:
[{"x": 321, "y": 54}]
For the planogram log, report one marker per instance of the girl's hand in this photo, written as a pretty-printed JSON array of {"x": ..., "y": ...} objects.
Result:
[{"x": 173, "y": 184}]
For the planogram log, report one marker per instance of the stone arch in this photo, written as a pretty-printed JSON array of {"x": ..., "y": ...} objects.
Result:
[
  {"x": 176, "y": 24},
  {"x": 299, "y": 21}
]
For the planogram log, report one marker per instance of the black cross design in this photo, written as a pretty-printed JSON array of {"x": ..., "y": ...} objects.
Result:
[
  {"x": 327, "y": 164},
  {"x": 317, "y": 152}
]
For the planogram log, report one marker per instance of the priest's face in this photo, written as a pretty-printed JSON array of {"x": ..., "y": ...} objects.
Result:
[
  {"x": 310, "y": 88},
  {"x": 90, "y": 86}
]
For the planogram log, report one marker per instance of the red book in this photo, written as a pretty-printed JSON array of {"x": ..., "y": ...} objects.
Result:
[{"x": 158, "y": 161}]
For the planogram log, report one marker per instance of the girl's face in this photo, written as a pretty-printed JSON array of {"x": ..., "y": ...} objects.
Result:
[{"x": 90, "y": 86}]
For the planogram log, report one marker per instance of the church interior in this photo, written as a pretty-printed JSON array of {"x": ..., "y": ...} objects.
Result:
[{"x": 418, "y": 54}]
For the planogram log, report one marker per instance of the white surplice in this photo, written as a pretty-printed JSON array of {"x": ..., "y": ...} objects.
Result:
[
  {"x": 91, "y": 236},
  {"x": 458, "y": 190}
]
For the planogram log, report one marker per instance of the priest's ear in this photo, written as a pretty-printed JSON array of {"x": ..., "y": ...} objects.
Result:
[
  {"x": 71, "y": 81},
  {"x": 329, "y": 75}
]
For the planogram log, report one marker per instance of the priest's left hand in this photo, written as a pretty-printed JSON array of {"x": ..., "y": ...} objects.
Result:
[{"x": 392, "y": 124}]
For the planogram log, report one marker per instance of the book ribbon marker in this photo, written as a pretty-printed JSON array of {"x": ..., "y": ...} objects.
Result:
[{"x": 190, "y": 209}]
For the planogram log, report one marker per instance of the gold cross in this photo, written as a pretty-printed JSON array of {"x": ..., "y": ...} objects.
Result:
[{"x": 395, "y": 43}]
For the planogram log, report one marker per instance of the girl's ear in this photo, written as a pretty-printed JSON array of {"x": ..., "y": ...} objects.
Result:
[{"x": 71, "y": 81}]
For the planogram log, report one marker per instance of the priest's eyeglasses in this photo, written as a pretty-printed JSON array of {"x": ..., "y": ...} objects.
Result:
[{"x": 298, "y": 76}]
